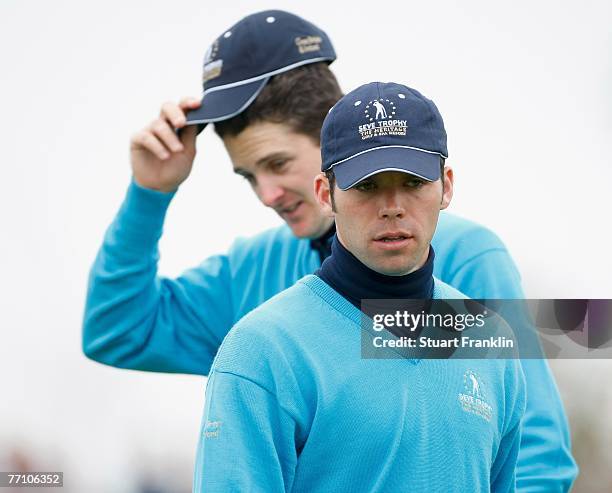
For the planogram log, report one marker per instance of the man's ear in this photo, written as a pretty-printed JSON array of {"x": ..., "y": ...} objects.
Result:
[
  {"x": 447, "y": 179},
  {"x": 323, "y": 194}
]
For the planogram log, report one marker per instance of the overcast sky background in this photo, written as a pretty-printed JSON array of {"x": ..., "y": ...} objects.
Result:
[{"x": 525, "y": 89}]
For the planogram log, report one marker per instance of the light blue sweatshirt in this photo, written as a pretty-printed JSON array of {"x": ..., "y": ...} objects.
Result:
[
  {"x": 292, "y": 406},
  {"x": 136, "y": 319}
]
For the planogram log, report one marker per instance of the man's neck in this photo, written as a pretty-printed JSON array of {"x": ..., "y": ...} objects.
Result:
[
  {"x": 322, "y": 244},
  {"x": 356, "y": 282}
]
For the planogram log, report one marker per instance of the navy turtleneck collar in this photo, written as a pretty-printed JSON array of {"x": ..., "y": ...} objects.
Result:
[
  {"x": 323, "y": 244},
  {"x": 355, "y": 281}
]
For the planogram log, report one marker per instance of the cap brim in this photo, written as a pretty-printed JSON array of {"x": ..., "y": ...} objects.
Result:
[
  {"x": 425, "y": 165},
  {"x": 225, "y": 103}
]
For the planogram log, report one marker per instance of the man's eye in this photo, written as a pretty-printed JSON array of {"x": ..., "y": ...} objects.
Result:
[
  {"x": 277, "y": 165},
  {"x": 249, "y": 178},
  {"x": 365, "y": 186},
  {"x": 415, "y": 183}
]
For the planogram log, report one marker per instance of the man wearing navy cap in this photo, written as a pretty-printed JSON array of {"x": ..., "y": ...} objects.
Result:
[
  {"x": 267, "y": 88},
  {"x": 290, "y": 403},
  {"x": 276, "y": 42}
]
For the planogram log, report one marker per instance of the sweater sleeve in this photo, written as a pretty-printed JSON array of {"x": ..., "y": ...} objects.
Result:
[
  {"x": 503, "y": 472},
  {"x": 247, "y": 440},
  {"x": 491, "y": 274},
  {"x": 136, "y": 319}
]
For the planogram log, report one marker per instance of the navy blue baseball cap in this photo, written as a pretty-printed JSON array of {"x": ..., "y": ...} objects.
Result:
[
  {"x": 382, "y": 126},
  {"x": 240, "y": 61}
]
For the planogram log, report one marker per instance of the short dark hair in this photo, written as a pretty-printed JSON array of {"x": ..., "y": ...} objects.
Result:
[
  {"x": 299, "y": 98},
  {"x": 331, "y": 177}
]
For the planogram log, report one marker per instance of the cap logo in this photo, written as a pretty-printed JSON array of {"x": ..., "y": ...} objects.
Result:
[
  {"x": 306, "y": 44},
  {"x": 211, "y": 52},
  {"x": 212, "y": 67},
  {"x": 212, "y": 70},
  {"x": 379, "y": 115}
]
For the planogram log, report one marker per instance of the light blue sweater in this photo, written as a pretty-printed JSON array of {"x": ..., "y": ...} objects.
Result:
[
  {"x": 292, "y": 406},
  {"x": 136, "y": 319}
]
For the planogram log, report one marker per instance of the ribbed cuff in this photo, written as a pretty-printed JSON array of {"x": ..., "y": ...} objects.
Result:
[{"x": 140, "y": 220}]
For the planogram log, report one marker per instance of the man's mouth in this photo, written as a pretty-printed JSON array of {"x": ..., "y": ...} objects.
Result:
[
  {"x": 393, "y": 239},
  {"x": 393, "y": 236}
]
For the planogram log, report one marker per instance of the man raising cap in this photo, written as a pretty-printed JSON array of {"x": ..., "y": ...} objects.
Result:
[
  {"x": 239, "y": 64},
  {"x": 290, "y": 403},
  {"x": 267, "y": 88}
]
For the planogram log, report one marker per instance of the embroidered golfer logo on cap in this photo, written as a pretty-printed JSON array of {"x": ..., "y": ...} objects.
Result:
[
  {"x": 379, "y": 114},
  {"x": 212, "y": 67},
  {"x": 473, "y": 398},
  {"x": 381, "y": 110}
]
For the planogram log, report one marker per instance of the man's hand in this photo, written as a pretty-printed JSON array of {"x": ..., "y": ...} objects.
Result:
[{"x": 162, "y": 160}]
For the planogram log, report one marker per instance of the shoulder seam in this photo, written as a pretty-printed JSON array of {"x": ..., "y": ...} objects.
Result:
[{"x": 242, "y": 377}]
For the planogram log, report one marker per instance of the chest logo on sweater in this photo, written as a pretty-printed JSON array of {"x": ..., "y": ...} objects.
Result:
[{"x": 473, "y": 399}]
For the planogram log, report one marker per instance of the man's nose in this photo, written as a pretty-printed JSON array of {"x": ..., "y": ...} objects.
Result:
[
  {"x": 268, "y": 191},
  {"x": 391, "y": 207}
]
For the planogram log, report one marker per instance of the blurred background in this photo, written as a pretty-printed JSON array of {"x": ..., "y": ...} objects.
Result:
[{"x": 526, "y": 92}]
